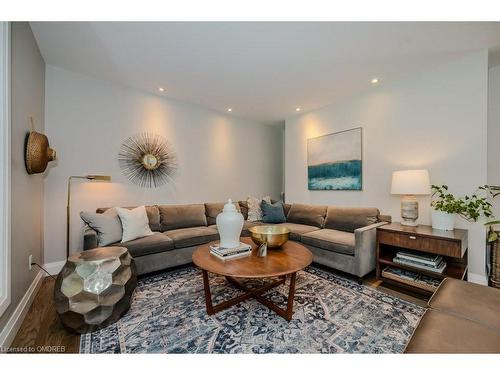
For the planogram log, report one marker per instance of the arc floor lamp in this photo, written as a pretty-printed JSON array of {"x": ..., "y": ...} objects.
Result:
[{"x": 90, "y": 177}]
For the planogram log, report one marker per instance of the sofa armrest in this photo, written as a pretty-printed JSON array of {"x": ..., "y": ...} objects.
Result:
[
  {"x": 365, "y": 247},
  {"x": 89, "y": 238}
]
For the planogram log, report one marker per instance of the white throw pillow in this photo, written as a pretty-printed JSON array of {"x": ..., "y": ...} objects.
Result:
[
  {"x": 135, "y": 223},
  {"x": 254, "y": 210}
]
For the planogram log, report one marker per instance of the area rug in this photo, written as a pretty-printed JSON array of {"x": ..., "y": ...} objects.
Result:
[{"x": 332, "y": 314}]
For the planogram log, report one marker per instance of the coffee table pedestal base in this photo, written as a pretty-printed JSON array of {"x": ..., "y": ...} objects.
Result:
[{"x": 256, "y": 293}]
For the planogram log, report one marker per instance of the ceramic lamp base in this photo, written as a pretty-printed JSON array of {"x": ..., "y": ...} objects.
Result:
[{"x": 409, "y": 210}]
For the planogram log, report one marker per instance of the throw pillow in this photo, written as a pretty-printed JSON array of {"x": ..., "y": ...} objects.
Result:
[
  {"x": 272, "y": 213},
  {"x": 107, "y": 225},
  {"x": 135, "y": 223},
  {"x": 254, "y": 210}
]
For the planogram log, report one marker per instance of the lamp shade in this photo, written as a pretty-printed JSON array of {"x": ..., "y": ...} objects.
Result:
[{"x": 411, "y": 182}]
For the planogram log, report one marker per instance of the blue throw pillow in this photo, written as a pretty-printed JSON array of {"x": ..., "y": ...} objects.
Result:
[{"x": 272, "y": 212}]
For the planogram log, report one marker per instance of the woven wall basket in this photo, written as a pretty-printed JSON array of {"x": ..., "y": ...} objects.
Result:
[
  {"x": 37, "y": 152},
  {"x": 495, "y": 264}
]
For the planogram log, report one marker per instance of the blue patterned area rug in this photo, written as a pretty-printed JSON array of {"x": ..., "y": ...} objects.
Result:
[{"x": 332, "y": 314}]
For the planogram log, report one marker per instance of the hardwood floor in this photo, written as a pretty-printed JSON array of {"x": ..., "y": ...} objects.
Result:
[{"x": 42, "y": 332}]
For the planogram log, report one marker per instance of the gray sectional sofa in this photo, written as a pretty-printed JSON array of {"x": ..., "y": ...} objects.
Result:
[{"x": 340, "y": 238}]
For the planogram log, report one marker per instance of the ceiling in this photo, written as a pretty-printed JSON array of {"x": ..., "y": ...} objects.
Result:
[{"x": 263, "y": 71}]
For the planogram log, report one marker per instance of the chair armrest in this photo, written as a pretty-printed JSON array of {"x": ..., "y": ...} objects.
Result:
[{"x": 89, "y": 238}]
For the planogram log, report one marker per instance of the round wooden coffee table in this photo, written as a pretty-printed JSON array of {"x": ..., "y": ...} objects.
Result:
[{"x": 287, "y": 260}]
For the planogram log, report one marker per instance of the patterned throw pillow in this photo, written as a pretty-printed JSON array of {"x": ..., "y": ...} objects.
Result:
[{"x": 254, "y": 211}]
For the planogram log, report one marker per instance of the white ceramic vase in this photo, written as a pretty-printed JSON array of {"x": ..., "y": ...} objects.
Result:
[
  {"x": 443, "y": 220},
  {"x": 229, "y": 223}
]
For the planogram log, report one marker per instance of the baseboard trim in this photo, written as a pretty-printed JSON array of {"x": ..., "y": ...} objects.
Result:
[
  {"x": 477, "y": 278},
  {"x": 9, "y": 332},
  {"x": 55, "y": 267}
]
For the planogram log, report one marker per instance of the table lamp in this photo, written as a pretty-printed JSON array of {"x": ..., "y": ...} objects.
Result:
[
  {"x": 410, "y": 183},
  {"x": 90, "y": 177}
]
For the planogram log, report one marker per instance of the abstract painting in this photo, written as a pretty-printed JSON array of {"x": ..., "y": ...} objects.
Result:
[{"x": 334, "y": 161}]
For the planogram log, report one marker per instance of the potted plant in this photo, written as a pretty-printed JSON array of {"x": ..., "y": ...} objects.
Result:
[{"x": 445, "y": 205}]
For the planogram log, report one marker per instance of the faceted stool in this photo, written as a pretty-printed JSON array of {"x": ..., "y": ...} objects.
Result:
[{"x": 94, "y": 288}]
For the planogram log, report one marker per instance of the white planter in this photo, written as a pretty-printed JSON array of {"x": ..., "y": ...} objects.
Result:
[
  {"x": 229, "y": 223},
  {"x": 443, "y": 220}
]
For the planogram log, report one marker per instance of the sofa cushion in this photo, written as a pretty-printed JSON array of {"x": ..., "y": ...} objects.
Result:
[
  {"x": 286, "y": 208},
  {"x": 439, "y": 332},
  {"x": 182, "y": 216},
  {"x": 465, "y": 299},
  {"x": 186, "y": 237},
  {"x": 350, "y": 218},
  {"x": 152, "y": 212},
  {"x": 331, "y": 239},
  {"x": 307, "y": 214},
  {"x": 296, "y": 230},
  {"x": 213, "y": 209},
  {"x": 272, "y": 213},
  {"x": 156, "y": 243}
]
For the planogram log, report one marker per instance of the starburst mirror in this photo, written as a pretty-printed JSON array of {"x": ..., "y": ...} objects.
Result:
[{"x": 147, "y": 160}]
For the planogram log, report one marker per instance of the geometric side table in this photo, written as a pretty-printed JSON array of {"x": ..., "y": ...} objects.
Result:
[{"x": 94, "y": 288}]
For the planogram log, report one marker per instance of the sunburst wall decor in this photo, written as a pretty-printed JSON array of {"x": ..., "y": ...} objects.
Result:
[{"x": 147, "y": 160}]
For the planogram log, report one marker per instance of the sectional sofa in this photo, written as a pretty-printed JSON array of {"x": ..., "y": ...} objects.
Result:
[{"x": 340, "y": 238}]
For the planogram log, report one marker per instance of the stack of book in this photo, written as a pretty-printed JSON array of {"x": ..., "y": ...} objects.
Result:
[
  {"x": 411, "y": 278},
  {"x": 423, "y": 261},
  {"x": 225, "y": 253}
]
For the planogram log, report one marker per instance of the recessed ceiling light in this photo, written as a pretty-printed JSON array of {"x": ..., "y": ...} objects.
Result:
[
  {"x": 297, "y": 109},
  {"x": 374, "y": 81},
  {"x": 161, "y": 89},
  {"x": 230, "y": 110}
]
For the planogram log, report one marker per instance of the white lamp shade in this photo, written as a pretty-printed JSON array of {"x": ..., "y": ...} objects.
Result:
[{"x": 411, "y": 182}]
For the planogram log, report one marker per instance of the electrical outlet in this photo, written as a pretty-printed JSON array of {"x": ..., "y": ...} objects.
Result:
[{"x": 30, "y": 261}]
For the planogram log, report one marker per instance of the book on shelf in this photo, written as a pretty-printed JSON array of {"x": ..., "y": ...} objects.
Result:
[
  {"x": 438, "y": 268},
  {"x": 411, "y": 278},
  {"x": 428, "y": 259}
]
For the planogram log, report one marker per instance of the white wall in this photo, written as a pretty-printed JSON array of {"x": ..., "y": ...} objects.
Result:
[
  {"x": 494, "y": 133},
  {"x": 435, "y": 119},
  {"x": 88, "y": 119}
]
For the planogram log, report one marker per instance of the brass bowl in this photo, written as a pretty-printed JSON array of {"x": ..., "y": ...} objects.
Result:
[{"x": 275, "y": 236}]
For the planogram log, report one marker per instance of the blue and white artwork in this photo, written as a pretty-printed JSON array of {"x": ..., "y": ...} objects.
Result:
[{"x": 334, "y": 161}]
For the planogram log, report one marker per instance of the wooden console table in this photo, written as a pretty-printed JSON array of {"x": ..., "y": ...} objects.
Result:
[{"x": 452, "y": 245}]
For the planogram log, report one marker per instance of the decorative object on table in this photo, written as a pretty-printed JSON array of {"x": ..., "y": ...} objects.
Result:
[
  {"x": 273, "y": 213},
  {"x": 262, "y": 250},
  {"x": 90, "y": 177},
  {"x": 94, "y": 288},
  {"x": 135, "y": 223},
  {"x": 225, "y": 253},
  {"x": 274, "y": 236},
  {"x": 410, "y": 183},
  {"x": 37, "y": 151},
  {"x": 254, "y": 207},
  {"x": 147, "y": 160},
  {"x": 229, "y": 224},
  {"x": 334, "y": 161},
  {"x": 107, "y": 225},
  {"x": 471, "y": 207}
]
